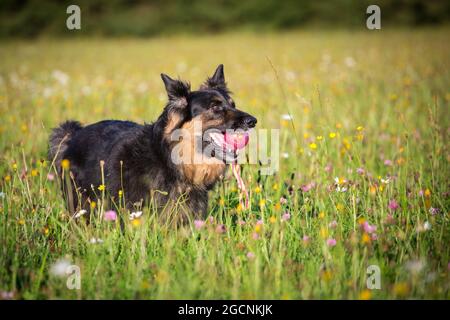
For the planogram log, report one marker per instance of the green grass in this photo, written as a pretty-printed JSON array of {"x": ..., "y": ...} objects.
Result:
[{"x": 383, "y": 96}]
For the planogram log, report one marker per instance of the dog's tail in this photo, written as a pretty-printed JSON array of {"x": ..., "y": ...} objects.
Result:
[{"x": 59, "y": 139}]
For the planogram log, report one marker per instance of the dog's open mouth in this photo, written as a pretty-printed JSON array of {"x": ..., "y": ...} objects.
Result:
[{"x": 228, "y": 143}]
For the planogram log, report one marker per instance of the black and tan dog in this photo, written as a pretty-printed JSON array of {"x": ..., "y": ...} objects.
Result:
[{"x": 138, "y": 159}]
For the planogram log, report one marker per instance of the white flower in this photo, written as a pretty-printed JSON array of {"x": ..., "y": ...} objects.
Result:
[
  {"x": 80, "y": 213},
  {"x": 286, "y": 117},
  {"x": 61, "y": 77},
  {"x": 285, "y": 155},
  {"x": 95, "y": 240},
  {"x": 135, "y": 215},
  {"x": 426, "y": 225},
  {"x": 386, "y": 181},
  {"x": 59, "y": 268}
]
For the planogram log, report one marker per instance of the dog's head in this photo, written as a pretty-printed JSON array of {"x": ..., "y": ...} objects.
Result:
[{"x": 224, "y": 128}]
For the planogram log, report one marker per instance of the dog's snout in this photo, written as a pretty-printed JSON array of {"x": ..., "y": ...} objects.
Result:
[{"x": 250, "y": 121}]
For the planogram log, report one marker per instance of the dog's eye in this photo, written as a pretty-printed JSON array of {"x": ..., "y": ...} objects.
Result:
[{"x": 217, "y": 107}]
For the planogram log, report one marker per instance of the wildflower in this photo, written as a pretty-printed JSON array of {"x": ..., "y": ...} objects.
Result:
[
  {"x": 369, "y": 228},
  {"x": 393, "y": 205},
  {"x": 65, "y": 164},
  {"x": 275, "y": 186},
  {"x": 365, "y": 238},
  {"x": 426, "y": 226},
  {"x": 272, "y": 219},
  {"x": 433, "y": 211},
  {"x": 257, "y": 189},
  {"x": 258, "y": 228},
  {"x": 401, "y": 289},
  {"x": 241, "y": 222},
  {"x": 93, "y": 204},
  {"x": 14, "y": 166},
  {"x": 136, "y": 222},
  {"x": 360, "y": 128},
  {"x": 323, "y": 232},
  {"x": 199, "y": 224},
  {"x": 366, "y": 294},
  {"x": 101, "y": 187},
  {"x": 250, "y": 255},
  {"x": 221, "y": 229},
  {"x": 79, "y": 213},
  {"x": 285, "y": 155},
  {"x": 427, "y": 193},
  {"x": 305, "y": 239},
  {"x": 388, "y": 162},
  {"x": 386, "y": 180},
  {"x": 307, "y": 187},
  {"x": 255, "y": 236},
  {"x": 50, "y": 177},
  {"x": 331, "y": 242},
  {"x": 21, "y": 222},
  {"x": 321, "y": 215},
  {"x": 338, "y": 125},
  {"x": 360, "y": 171},
  {"x": 221, "y": 202},
  {"x": 110, "y": 215},
  {"x": 283, "y": 200},
  {"x": 60, "y": 267},
  {"x": 120, "y": 193},
  {"x": 332, "y": 135},
  {"x": 277, "y": 206},
  {"x": 34, "y": 173},
  {"x": 340, "y": 207},
  {"x": 7, "y": 295},
  {"x": 262, "y": 203},
  {"x": 313, "y": 146},
  {"x": 319, "y": 138},
  {"x": 7, "y": 178},
  {"x": 328, "y": 168},
  {"x": 286, "y": 216},
  {"x": 333, "y": 224},
  {"x": 135, "y": 215},
  {"x": 95, "y": 240},
  {"x": 239, "y": 208},
  {"x": 286, "y": 117}
]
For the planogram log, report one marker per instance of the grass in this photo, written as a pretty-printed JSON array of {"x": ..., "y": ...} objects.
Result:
[{"x": 370, "y": 108}]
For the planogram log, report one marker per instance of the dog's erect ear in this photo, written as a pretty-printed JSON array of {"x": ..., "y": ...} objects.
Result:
[
  {"x": 177, "y": 90},
  {"x": 217, "y": 81}
]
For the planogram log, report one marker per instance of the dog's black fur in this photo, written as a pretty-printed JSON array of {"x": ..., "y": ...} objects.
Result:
[{"x": 137, "y": 158}]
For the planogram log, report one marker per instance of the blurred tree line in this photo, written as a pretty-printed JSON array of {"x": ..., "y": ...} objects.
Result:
[{"x": 31, "y": 18}]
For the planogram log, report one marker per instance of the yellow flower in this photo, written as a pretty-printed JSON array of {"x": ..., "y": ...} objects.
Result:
[
  {"x": 373, "y": 190},
  {"x": 319, "y": 138},
  {"x": 258, "y": 228},
  {"x": 365, "y": 295},
  {"x": 360, "y": 128},
  {"x": 93, "y": 204},
  {"x": 120, "y": 193},
  {"x": 365, "y": 239},
  {"x": 332, "y": 135},
  {"x": 306, "y": 135},
  {"x": 277, "y": 206},
  {"x": 272, "y": 219},
  {"x": 427, "y": 193},
  {"x": 361, "y": 220},
  {"x": 340, "y": 207},
  {"x": 300, "y": 151},
  {"x": 7, "y": 178},
  {"x": 257, "y": 189},
  {"x": 21, "y": 222},
  {"x": 221, "y": 202},
  {"x": 136, "y": 222},
  {"x": 262, "y": 203},
  {"x": 14, "y": 166},
  {"x": 321, "y": 215},
  {"x": 46, "y": 231},
  {"x": 313, "y": 146},
  {"x": 360, "y": 137},
  {"x": 239, "y": 208},
  {"x": 324, "y": 232},
  {"x": 275, "y": 186},
  {"x": 65, "y": 164},
  {"x": 34, "y": 173},
  {"x": 338, "y": 125},
  {"x": 401, "y": 289},
  {"x": 101, "y": 187}
]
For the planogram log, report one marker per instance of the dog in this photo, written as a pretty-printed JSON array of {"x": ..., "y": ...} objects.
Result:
[{"x": 135, "y": 164}]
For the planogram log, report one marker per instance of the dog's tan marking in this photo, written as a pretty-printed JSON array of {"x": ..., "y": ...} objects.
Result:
[
  {"x": 202, "y": 174},
  {"x": 172, "y": 123}
]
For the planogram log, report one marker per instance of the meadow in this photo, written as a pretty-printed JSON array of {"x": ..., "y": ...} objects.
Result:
[{"x": 363, "y": 178}]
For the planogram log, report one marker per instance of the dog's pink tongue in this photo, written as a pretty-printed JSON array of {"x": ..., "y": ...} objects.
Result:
[{"x": 236, "y": 140}]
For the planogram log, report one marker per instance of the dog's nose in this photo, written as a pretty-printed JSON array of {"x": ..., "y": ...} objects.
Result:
[{"x": 250, "y": 121}]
